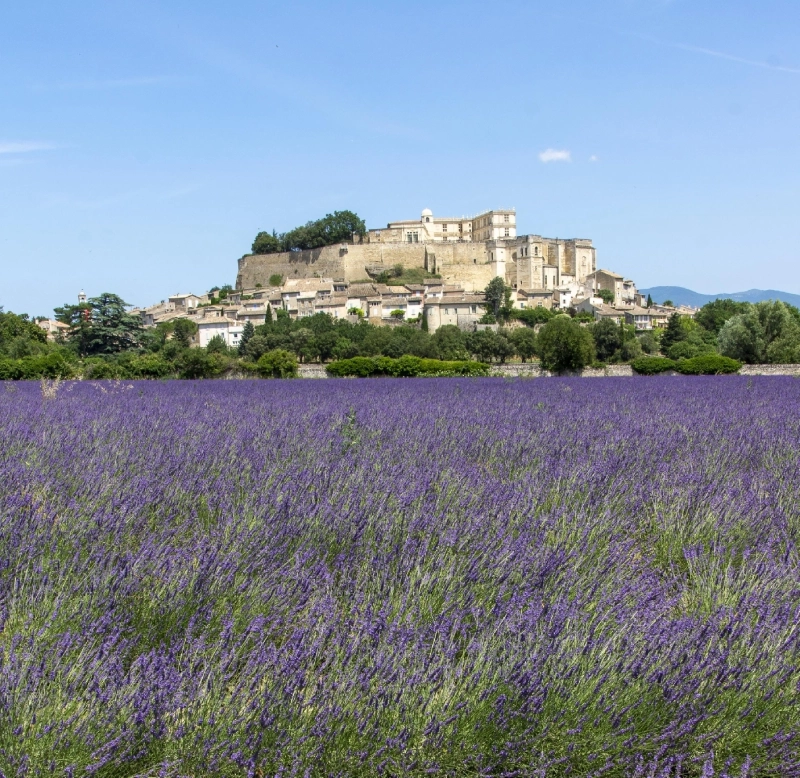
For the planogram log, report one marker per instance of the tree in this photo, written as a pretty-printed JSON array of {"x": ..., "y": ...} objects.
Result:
[
  {"x": 20, "y": 337},
  {"x": 532, "y": 316},
  {"x": 649, "y": 303},
  {"x": 14, "y": 325},
  {"x": 449, "y": 343},
  {"x": 668, "y": 304},
  {"x": 650, "y": 343},
  {"x": 217, "y": 345},
  {"x": 344, "y": 349},
  {"x": 325, "y": 343},
  {"x": 564, "y": 345},
  {"x": 498, "y": 299},
  {"x": 247, "y": 333},
  {"x": 276, "y": 279},
  {"x": 766, "y": 332},
  {"x": 336, "y": 227},
  {"x": 183, "y": 330},
  {"x": 277, "y": 364},
  {"x": 607, "y": 339},
  {"x": 102, "y": 325},
  {"x": 196, "y": 363},
  {"x": 256, "y": 346},
  {"x": 630, "y": 350},
  {"x": 481, "y": 344},
  {"x": 606, "y": 295},
  {"x": 503, "y": 347},
  {"x": 712, "y": 316},
  {"x": 268, "y": 315},
  {"x": 673, "y": 333},
  {"x": 524, "y": 341},
  {"x": 266, "y": 243}
]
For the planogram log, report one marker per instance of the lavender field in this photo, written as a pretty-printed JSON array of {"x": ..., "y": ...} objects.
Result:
[{"x": 466, "y": 577}]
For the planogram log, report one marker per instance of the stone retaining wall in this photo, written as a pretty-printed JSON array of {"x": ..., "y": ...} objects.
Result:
[
  {"x": 533, "y": 370},
  {"x": 770, "y": 370}
]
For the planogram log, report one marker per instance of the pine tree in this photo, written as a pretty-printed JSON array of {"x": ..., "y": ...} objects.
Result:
[
  {"x": 649, "y": 301},
  {"x": 247, "y": 333},
  {"x": 268, "y": 317}
]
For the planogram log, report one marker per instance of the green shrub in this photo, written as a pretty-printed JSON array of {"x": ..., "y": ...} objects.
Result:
[
  {"x": 406, "y": 367},
  {"x": 99, "y": 369},
  {"x": 277, "y": 364},
  {"x": 198, "y": 363},
  {"x": 52, "y": 365},
  {"x": 148, "y": 366},
  {"x": 708, "y": 364},
  {"x": 652, "y": 365}
]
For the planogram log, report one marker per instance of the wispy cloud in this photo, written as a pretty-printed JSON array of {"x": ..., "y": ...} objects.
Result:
[
  {"x": 593, "y": 158},
  {"x": 24, "y": 147},
  {"x": 555, "y": 155},
  {"x": 731, "y": 57}
]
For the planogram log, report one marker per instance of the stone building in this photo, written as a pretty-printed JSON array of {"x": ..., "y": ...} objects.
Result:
[
  {"x": 464, "y": 251},
  {"x": 429, "y": 228}
]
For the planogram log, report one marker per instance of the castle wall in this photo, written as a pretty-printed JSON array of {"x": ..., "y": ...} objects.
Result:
[
  {"x": 255, "y": 269},
  {"x": 458, "y": 263},
  {"x": 470, "y": 264}
]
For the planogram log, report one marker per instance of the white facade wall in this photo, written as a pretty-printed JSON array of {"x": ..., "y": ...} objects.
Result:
[{"x": 231, "y": 331}]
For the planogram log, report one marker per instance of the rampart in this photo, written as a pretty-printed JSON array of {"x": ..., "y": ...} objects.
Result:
[{"x": 464, "y": 263}]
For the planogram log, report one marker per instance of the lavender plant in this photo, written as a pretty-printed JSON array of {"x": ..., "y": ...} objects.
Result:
[{"x": 465, "y": 577}]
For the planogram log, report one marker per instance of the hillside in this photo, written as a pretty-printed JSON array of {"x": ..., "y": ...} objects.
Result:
[{"x": 682, "y": 296}]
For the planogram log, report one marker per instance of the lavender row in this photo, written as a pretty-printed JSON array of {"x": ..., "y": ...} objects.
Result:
[{"x": 434, "y": 576}]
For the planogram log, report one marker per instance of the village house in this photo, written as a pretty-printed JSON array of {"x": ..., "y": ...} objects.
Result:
[
  {"x": 533, "y": 298},
  {"x": 53, "y": 328},
  {"x": 462, "y": 310}
]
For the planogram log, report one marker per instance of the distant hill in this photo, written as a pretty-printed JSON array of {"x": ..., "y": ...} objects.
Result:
[{"x": 682, "y": 296}]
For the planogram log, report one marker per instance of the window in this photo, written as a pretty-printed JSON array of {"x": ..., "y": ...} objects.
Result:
[
  {"x": 535, "y": 251},
  {"x": 505, "y": 218},
  {"x": 427, "y": 218},
  {"x": 506, "y": 232},
  {"x": 444, "y": 228}
]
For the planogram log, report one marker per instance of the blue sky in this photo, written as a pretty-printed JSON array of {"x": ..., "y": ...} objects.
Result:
[{"x": 143, "y": 144}]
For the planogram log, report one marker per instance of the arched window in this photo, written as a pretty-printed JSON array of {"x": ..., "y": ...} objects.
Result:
[{"x": 427, "y": 218}]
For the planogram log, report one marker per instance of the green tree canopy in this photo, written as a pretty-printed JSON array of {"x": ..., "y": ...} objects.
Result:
[
  {"x": 449, "y": 342},
  {"x": 102, "y": 325},
  {"x": 266, "y": 243},
  {"x": 714, "y": 314},
  {"x": 19, "y": 336},
  {"x": 336, "y": 227},
  {"x": 606, "y": 295},
  {"x": 183, "y": 330},
  {"x": 564, "y": 345},
  {"x": 524, "y": 340},
  {"x": 767, "y": 332},
  {"x": 607, "y": 338},
  {"x": 498, "y": 299}
]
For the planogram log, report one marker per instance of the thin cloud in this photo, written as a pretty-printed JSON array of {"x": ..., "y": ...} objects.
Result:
[
  {"x": 731, "y": 57},
  {"x": 24, "y": 147},
  {"x": 555, "y": 155},
  {"x": 593, "y": 158}
]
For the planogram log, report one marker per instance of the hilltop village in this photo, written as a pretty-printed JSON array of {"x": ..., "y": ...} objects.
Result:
[{"x": 433, "y": 268}]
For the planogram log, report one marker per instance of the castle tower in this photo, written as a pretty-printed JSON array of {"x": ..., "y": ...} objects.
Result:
[{"x": 81, "y": 297}]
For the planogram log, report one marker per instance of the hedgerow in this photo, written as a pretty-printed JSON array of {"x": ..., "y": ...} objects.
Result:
[{"x": 405, "y": 366}]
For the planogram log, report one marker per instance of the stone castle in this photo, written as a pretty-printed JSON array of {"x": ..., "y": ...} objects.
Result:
[{"x": 464, "y": 251}]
